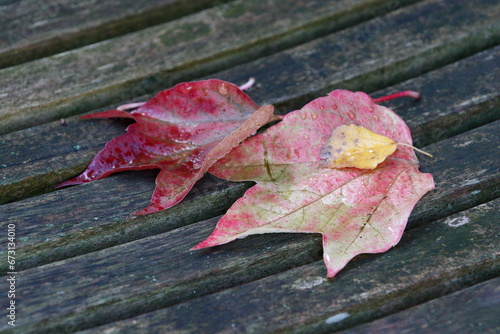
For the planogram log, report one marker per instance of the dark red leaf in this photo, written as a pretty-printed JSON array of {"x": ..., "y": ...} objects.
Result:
[{"x": 182, "y": 131}]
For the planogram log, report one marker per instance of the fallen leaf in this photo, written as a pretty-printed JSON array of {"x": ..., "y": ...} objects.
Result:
[
  {"x": 356, "y": 210},
  {"x": 356, "y": 146},
  {"x": 182, "y": 131}
]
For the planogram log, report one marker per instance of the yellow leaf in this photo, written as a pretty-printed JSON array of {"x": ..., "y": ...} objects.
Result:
[{"x": 356, "y": 146}]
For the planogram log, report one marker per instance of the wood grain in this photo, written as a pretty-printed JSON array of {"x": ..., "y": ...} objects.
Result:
[
  {"x": 32, "y": 30},
  {"x": 456, "y": 98},
  {"x": 178, "y": 272},
  {"x": 73, "y": 225},
  {"x": 38, "y": 159},
  {"x": 84, "y": 261},
  {"x": 152, "y": 59},
  {"x": 475, "y": 307},
  {"x": 430, "y": 261}
]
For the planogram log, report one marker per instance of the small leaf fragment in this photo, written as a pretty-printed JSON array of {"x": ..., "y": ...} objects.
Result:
[{"x": 356, "y": 146}]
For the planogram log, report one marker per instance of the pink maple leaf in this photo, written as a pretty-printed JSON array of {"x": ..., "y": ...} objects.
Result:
[{"x": 356, "y": 210}]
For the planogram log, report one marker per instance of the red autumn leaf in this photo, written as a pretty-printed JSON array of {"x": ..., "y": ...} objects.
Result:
[
  {"x": 182, "y": 131},
  {"x": 356, "y": 210}
]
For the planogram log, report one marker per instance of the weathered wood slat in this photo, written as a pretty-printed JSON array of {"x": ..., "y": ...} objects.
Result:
[
  {"x": 92, "y": 218},
  {"x": 34, "y": 29},
  {"x": 86, "y": 263},
  {"x": 151, "y": 59},
  {"x": 429, "y": 262},
  {"x": 81, "y": 221},
  {"x": 39, "y": 158},
  {"x": 373, "y": 55},
  {"x": 455, "y": 98},
  {"x": 458, "y": 170},
  {"x": 472, "y": 310},
  {"x": 120, "y": 281},
  {"x": 172, "y": 247}
]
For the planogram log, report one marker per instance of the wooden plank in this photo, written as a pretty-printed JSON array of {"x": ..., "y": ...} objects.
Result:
[
  {"x": 65, "y": 225},
  {"x": 256, "y": 284},
  {"x": 137, "y": 284},
  {"x": 156, "y": 57},
  {"x": 35, "y": 160},
  {"x": 70, "y": 230},
  {"x": 126, "y": 280},
  {"x": 80, "y": 220},
  {"x": 370, "y": 56},
  {"x": 456, "y": 169},
  {"x": 428, "y": 262},
  {"x": 35, "y": 29},
  {"x": 472, "y": 310},
  {"x": 39, "y": 158},
  {"x": 444, "y": 105}
]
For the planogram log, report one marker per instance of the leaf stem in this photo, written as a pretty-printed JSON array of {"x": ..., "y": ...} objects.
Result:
[
  {"x": 248, "y": 84},
  {"x": 405, "y": 93},
  {"x": 416, "y": 149}
]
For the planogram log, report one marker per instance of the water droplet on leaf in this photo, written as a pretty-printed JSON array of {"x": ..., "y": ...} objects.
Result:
[{"x": 223, "y": 89}]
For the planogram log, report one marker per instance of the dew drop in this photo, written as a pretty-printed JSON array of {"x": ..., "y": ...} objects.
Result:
[
  {"x": 351, "y": 115},
  {"x": 306, "y": 137},
  {"x": 314, "y": 115},
  {"x": 334, "y": 106},
  {"x": 303, "y": 115},
  {"x": 223, "y": 89}
]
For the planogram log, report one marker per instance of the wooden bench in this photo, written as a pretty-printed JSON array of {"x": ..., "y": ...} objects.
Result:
[{"x": 85, "y": 263}]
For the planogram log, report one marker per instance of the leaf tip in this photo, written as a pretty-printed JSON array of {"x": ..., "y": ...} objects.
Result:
[
  {"x": 153, "y": 209},
  {"x": 72, "y": 182},
  {"x": 331, "y": 269},
  {"x": 114, "y": 113},
  {"x": 215, "y": 239},
  {"x": 203, "y": 244}
]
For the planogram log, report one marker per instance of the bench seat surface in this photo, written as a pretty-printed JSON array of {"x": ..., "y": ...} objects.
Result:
[{"x": 85, "y": 263}]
